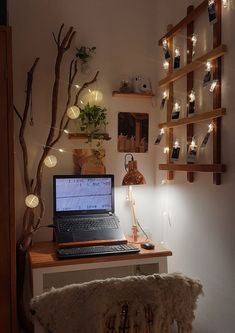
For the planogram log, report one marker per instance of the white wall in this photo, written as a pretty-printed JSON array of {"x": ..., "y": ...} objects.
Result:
[
  {"x": 200, "y": 230},
  {"x": 199, "y": 227}
]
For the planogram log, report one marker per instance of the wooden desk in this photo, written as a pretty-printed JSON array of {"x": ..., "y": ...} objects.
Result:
[{"x": 44, "y": 262}]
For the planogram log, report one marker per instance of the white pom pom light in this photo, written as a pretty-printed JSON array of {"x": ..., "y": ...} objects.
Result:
[
  {"x": 73, "y": 112},
  {"x": 50, "y": 161},
  {"x": 31, "y": 201}
]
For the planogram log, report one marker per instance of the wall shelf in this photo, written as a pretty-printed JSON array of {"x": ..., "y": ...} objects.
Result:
[
  {"x": 217, "y": 168},
  {"x": 197, "y": 63},
  {"x": 97, "y": 136},
  {"x": 134, "y": 95},
  {"x": 194, "y": 119}
]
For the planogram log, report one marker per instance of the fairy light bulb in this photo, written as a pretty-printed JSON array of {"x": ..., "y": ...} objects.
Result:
[
  {"x": 176, "y": 144},
  {"x": 177, "y": 52},
  {"x": 96, "y": 96},
  {"x": 210, "y": 2},
  {"x": 208, "y": 66},
  {"x": 192, "y": 96},
  {"x": 50, "y": 161},
  {"x": 213, "y": 85},
  {"x": 194, "y": 39},
  {"x": 66, "y": 131},
  {"x": 210, "y": 128},
  {"x": 73, "y": 112},
  {"x": 225, "y": 3},
  {"x": 31, "y": 201},
  {"x": 166, "y": 150},
  {"x": 77, "y": 86},
  {"x": 165, "y": 42},
  {"x": 164, "y": 95},
  {"x": 166, "y": 65},
  {"x": 193, "y": 143},
  {"x": 176, "y": 107},
  {"x": 162, "y": 131},
  {"x": 61, "y": 150}
]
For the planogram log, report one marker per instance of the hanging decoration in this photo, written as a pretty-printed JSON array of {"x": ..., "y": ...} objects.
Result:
[
  {"x": 191, "y": 103},
  {"x": 212, "y": 11},
  {"x": 213, "y": 85},
  {"x": 175, "y": 151},
  {"x": 164, "y": 98},
  {"x": 177, "y": 58},
  {"x": 176, "y": 111},
  {"x": 166, "y": 50},
  {"x": 159, "y": 137},
  {"x": 206, "y": 138},
  {"x": 192, "y": 151},
  {"x": 207, "y": 76}
]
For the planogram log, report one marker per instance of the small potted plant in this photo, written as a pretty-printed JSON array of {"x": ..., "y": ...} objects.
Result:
[{"x": 93, "y": 121}]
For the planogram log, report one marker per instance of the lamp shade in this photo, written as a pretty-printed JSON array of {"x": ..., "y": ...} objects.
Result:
[{"x": 133, "y": 176}]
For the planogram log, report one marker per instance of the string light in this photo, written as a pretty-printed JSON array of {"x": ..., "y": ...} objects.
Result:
[
  {"x": 77, "y": 86},
  {"x": 191, "y": 96},
  {"x": 164, "y": 182},
  {"x": 61, "y": 150},
  {"x": 73, "y": 112},
  {"x": 213, "y": 85},
  {"x": 210, "y": 128},
  {"x": 165, "y": 42},
  {"x": 225, "y": 3},
  {"x": 166, "y": 65},
  {"x": 194, "y": 39},
  {"x": 177, "y": 107},
  {"x": 193, "y": 143},
  {"x": 164, "y": 95},
  {"x": 176, "y": 144},
  {"x": 66, "y": 131},
  {"x": 31, "y": 201},
  {"x": 50, "y": 161},
  {"x": 81, "y": 102},
  {"x": 166, "y": 150},
  {"x": 177, "y": 52},
  {"x": 208, "y": 66},
  {"x": 211, "y": 2},
  {"x": 162, "y": 131}
]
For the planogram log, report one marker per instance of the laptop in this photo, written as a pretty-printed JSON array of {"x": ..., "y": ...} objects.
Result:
[{"x": 84, "y": 211}]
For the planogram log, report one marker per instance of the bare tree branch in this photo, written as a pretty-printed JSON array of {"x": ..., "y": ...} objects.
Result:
[
  {"x": 85, "y": 85},
  {"x": 18, "y": 114}
]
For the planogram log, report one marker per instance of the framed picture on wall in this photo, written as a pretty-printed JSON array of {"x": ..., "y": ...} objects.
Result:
[{"x": 133, "y": 132}]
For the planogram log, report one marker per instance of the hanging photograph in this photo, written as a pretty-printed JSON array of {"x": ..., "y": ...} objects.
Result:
[
  {"x": 159, "y": 137},
  {"x": 212, "y": 11},
  {"x": 205, "y": 140},
  {"x": 166, "y": 50},
  {"x": 177, "y": 59},
  {"x": 133, "y": 129},
  {"x": 192, "y": 154},
  {"x": 89, "y": 161},
  {"x": 175, "y": 153}
]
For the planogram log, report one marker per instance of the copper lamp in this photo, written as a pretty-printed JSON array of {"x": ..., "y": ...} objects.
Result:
[{"x": 133, "y": 177}]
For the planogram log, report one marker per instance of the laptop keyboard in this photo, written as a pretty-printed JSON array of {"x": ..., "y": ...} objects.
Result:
[
  {"x": 97, "y": 250},
  {"x": 87, "y": 224}
]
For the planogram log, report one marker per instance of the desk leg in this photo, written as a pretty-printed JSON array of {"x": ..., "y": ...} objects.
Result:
[{"x": 162, "y": 265}]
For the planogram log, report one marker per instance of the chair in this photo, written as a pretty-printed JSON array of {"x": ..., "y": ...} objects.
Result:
[{"x": 135, "y": 304}]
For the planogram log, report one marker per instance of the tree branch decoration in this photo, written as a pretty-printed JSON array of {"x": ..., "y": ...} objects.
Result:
[{"x": 33, "y": 215}]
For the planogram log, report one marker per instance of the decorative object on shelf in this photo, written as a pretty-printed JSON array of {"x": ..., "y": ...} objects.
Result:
[
  {"x": 33, "y": 215},
  {"x": 92, "y": 120},
  {"x": 192, "y": 151},
  {"x": 212, "y": 11},
  {"x": 125, "y": 87},
  {"x": 194, "y": 43},
  {"x": 207, "y": 76},
  {"x": 175, "y": 151},
  {"x": 133, "y": 129},
  {"x": 160, "y": 136},
  {"x": 166, "y": 51},
  {"x": 142, "y": 85},
  {"x": 89, "y": 161},
  {"x": 191, "y": 103},
  {"x": 176, "y": 111},
  {"x": 164, "y": 98},
  {"x": 206, "y": 138},
  {"x": 133, "y": 177},
  {"x": 177, "y": 58}
]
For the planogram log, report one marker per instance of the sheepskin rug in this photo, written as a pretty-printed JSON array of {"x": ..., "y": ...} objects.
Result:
[{"x": 144, "y": 304}]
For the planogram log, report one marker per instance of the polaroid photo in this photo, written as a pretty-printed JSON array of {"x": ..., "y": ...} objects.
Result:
[
  {"x": 175, "y": 115},
  {"x": 175, "y": 153},
  {"x": 177, "y": 62},
  {"x": 191, "y": 108},
  {"x": 159, "y": 138},
  {"x": 212, "y": 12},
  {"x": 192, "y": 154},
  {"x": 163, "y": 102},
  {"x": 205, "y": 140},
  {"x": 207, "y": 78}
]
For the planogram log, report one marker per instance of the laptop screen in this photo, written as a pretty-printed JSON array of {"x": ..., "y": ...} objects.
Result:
[{"x": 83, "y": 194}]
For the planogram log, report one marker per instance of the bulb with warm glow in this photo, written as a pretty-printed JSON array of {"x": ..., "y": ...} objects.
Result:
[
  {"x": 210, "y": 128},
  {"x": 225, "y": 3},
  {"x": 61, "y": 150},
  {"x": 176, "y": 107},
  {"x": 193, "y": 143},
  {"x": 66, "y": 131},
  {"x": 165, "y": 43},
  {"x": 208, "y": 66},
  {"x": 73, "y": 112},
  {"x": 176, "y": 144},
  {"x": 194, "y": 39},
  {"x": 210, "y": 2},
  {"x": 166, "y": 65},
  {"x": 162, "y": 131},
  {"x": 166, "y": 150},
  {"x": 77, "y": 86},
  {"x": 164, "y": 95},
  {"x": 50, "y": 161},
  {"x": 31, "y": 201},
  {"x": 213, "y": 85},
  {"x": 191, "y": 96},
  {"x": 177, "y": 52}
]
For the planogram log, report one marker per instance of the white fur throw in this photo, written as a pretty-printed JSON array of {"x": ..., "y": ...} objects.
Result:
[{"x": 136, "y": 304}]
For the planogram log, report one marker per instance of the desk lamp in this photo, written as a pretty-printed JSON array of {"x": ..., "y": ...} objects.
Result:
[{"x": 133, "y": 177}]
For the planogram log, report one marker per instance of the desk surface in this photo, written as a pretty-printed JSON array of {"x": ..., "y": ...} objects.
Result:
[{"x": 43, "y": 254}]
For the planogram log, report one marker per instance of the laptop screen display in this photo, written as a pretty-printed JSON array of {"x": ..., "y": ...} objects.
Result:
[{"x": 83, "y": 194}]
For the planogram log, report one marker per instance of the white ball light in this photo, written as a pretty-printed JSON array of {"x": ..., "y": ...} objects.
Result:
[
  {"x": 73, "y": 112},
  {"x": 96, "y": 97},
  {"x": 31, "y": 201},
  {"x": 50, "y": 161}
]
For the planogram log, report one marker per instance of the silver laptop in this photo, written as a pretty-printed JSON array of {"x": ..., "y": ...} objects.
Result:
[{"x": 84, "y": 211}]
